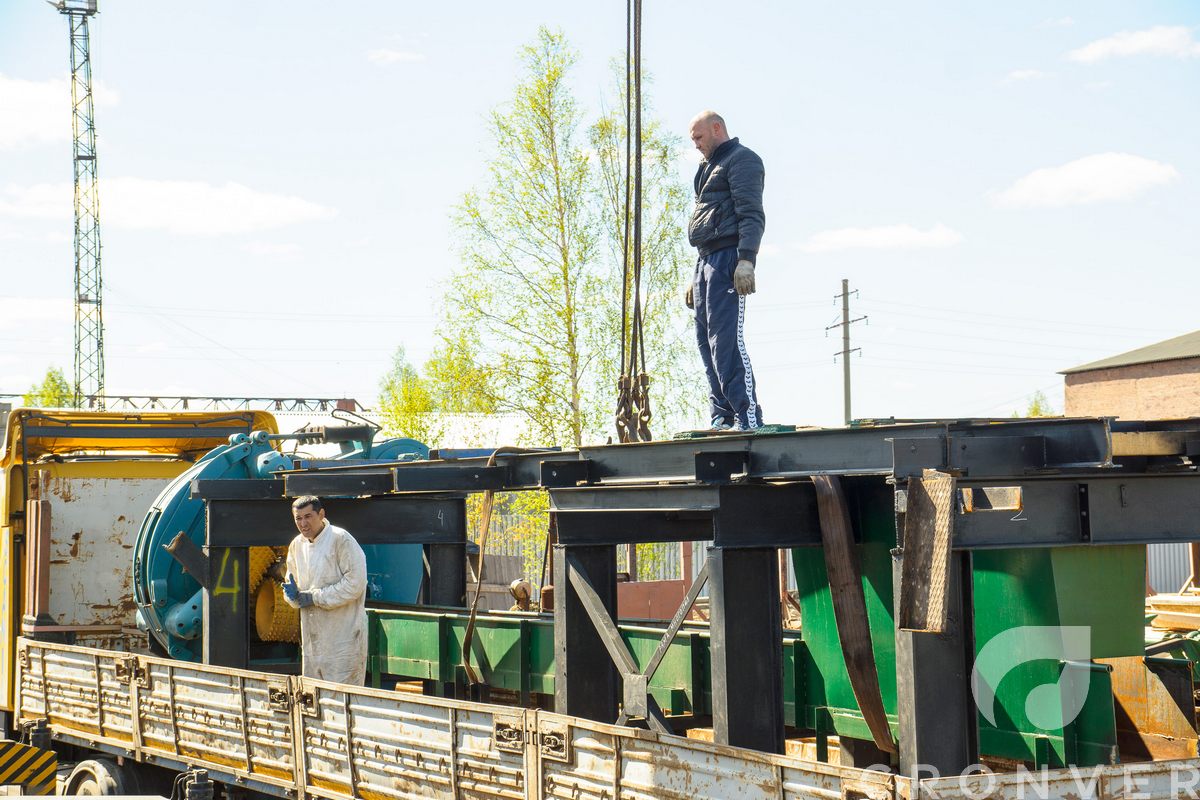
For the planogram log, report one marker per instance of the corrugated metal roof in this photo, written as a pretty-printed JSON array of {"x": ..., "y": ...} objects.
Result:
[{"x": 1186, "y": 346}]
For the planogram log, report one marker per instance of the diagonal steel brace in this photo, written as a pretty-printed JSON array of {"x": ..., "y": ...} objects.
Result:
[{"x": 637, "y": 698}]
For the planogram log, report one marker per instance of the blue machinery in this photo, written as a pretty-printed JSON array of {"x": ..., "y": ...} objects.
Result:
[{"x": 170, "y": 599}]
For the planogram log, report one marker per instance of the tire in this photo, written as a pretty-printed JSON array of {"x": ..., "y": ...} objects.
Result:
[{"x": 99, "y": 777}]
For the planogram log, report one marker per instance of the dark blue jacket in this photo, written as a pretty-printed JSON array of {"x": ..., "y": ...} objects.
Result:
[{"x": 729, "y": 209}]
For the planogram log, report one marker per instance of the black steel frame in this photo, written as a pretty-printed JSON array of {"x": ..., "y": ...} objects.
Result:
[
  {"x": 1019, "y": 483},
  {"x": 254, "y": 513}
]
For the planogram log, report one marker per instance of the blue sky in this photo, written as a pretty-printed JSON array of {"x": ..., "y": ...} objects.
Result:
[{"x": 1012, "y": 188}]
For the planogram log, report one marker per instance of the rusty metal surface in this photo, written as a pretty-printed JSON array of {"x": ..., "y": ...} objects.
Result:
[
  {"x": 849, "y": 607},
  {"x": 1154, "y": 706},
  {"x": 94, "y": 523}
]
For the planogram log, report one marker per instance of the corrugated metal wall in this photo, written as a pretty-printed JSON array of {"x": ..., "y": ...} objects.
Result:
[{"x": 1168, "y": 566}]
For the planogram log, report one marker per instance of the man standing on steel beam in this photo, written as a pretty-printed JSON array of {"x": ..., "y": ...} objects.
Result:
[
  {"x": 327, "y": 581},
  {"x": 726, "y": 228}
]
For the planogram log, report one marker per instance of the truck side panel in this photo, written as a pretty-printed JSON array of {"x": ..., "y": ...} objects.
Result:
[
  {"x": 578, "y": 758},
  {"x": 392, "y": 745},
  {"x": 224, "y": 717},
  {"x": 237, "y": 723},
  {"x": 301, "y": 738},
  {"x": 78, "y": 689}
]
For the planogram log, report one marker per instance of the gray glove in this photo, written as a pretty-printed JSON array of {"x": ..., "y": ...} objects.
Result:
[
  {"x": 292, "y": 592},
  {"x": 743, "y": 277},
  {"x": 688, "y": 300}
]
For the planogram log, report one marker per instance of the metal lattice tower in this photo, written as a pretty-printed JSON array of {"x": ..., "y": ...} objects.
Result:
[{"x": 89, "y": 319}]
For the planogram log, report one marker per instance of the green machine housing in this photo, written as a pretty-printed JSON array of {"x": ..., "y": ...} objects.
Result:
[{"x": 1097, "y": 589}]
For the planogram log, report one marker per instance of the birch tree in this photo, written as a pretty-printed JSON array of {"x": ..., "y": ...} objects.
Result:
[
  {"x": 528, "y": 282},
  {"x": 539, "y": 287}
]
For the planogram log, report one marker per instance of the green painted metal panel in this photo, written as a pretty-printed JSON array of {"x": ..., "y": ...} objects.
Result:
[
  {"x": 829, "y": 700},
  {"x": 497, "y": 650},
  {"x": 515, "y": 652},
  {"x": 1099, "y": 589},
  {"x": 673, "y": 684},
  {"x": 412, "y": 649}
]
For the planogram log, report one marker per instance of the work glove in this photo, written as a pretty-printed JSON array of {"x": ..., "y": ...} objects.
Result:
[
  {"x": 292, "y": 592},
  {"x": 743, "y": 277},
  {"x": 688, "y": 299}
]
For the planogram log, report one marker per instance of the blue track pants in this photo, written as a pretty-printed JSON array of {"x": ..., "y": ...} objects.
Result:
[{"x": 720, "y": 312}]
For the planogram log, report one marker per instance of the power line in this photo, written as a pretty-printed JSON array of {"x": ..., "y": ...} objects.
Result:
[
  {"x": 1046, "y": 388},
  {"x": 976, "y": 352},
  {"x": 974, "y": 316},
  {"x": 846, "y": 349}
]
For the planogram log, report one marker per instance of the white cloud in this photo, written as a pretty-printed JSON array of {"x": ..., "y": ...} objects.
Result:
[
  {"x": 1057, "y": 22},
  {"x": 385, "y": 56},
  {"x": 36, "y": 112},
  {"x": 1093, "y": 179},
  {"x": 20, "y": 312},
  {"x": 1025, "y": 75},
  {"x": 883, "y": 237},
  {"x": 44, "y": 237},
  {"x": 1161, "y": 40},
  {"x": 187, "y": 207},
  {"x": 282, "y": 250}
]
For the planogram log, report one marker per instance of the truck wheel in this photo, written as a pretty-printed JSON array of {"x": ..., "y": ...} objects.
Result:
[{"x": 99, "y": 776}]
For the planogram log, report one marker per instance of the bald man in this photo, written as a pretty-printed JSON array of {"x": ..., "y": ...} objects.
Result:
[{"x": 726, "y": 228}]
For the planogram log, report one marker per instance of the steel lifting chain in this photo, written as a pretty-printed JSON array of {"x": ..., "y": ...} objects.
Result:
[{"x": 633, "y": 412}]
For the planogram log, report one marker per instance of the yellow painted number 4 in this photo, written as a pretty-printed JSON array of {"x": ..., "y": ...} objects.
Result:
[{"x": 234, "y": 588}]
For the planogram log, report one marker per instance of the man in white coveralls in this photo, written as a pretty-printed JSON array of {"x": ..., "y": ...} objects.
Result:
[{"x": 327, "y": 581}]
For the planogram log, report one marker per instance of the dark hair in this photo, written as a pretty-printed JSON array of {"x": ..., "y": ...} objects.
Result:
[{"x": 307, "y": 500}]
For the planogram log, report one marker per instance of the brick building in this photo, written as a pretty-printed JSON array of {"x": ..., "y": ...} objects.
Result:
[{"x": 1159, "y": 381}]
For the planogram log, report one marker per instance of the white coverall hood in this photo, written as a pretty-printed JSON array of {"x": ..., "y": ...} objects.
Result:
[{"x": 333, "y": 630}]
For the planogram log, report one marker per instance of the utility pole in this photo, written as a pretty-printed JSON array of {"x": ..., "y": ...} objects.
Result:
[
  {"x": 89, "y": 285},
  {"x": 846, "y": 349}
]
